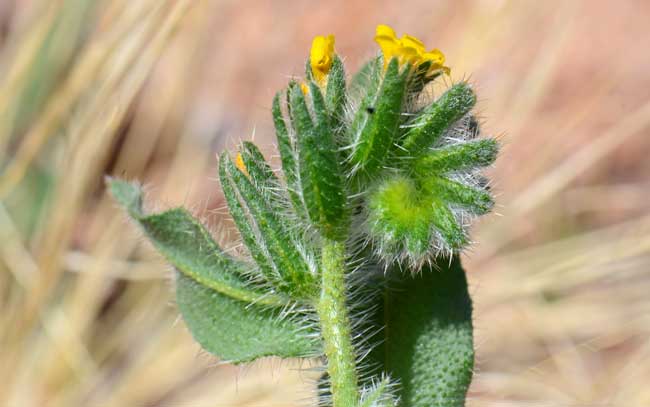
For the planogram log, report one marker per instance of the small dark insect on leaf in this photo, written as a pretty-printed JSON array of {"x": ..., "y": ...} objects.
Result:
[{"x": 370, "y": 110}]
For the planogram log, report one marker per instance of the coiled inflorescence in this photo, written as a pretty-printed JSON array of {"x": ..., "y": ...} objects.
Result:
[{"x": 404, "y": 166}]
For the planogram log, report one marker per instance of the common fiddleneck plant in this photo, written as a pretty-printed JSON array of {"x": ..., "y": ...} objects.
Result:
[{"x": 352, "y": 253}]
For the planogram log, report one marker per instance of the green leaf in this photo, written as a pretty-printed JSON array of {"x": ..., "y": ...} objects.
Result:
[
  {"x": 263, "y": 178},
  {"x": 374, "y": 128},
  {"x": 404, "y": 215},
  {"x": 399, "y": 218},
  {"x": 335, "y": 93},
  {"x": 430, "y": 125},
  {"x": 240, "y": 215},
  {"x": 463, "y": 156},
  {"x": 309, "y": 74},
  {"x": 226, "y": 315},
  {"x": 287, "y": 156},
  {"x": 237, "y": 331},
  {"x": 473, "y": 199},
  {"x": 265, "y": 234},
  {"x": 367, "y": 80},
  {"x": 379, "y": 395},
  {"x": 320, "y": 173},
  {"x": 428, "y": 343},
  {"x": 447, "y": 224},
  {"x": 260, "y": 172}
]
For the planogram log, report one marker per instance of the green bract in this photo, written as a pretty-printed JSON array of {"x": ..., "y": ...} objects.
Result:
[{"x": 352, "y": 254}]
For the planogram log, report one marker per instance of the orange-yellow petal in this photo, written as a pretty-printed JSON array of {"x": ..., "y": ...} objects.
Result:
[
  {"x": 437, "y": 60},
  {"x": 388, "y": 42},
  {"x": 239, "y": 163},
  {"x": 321, "y": 57},
  {"x": 385, "y": 31},
  {"x": 435, "y": 56},
  {"x": 412, "y": 42},
  {"x": 409, "y": 50},
  {"x": 409, "y": 55}
]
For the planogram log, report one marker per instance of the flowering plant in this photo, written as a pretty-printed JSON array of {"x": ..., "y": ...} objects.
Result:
[{"x": 353, "y": 253}]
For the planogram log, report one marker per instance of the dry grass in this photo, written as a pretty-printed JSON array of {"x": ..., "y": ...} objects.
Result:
[{"x": 154, "y": 89}]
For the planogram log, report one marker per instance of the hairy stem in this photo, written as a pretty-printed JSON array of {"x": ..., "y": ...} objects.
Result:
[{"x": 335, "y": 325}]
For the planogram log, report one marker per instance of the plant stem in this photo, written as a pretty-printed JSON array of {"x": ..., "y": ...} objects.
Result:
[{"x": 335, "y": 325}]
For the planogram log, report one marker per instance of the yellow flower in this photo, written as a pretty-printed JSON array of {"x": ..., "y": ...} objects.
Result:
[
  {"x": 239, "y": 163},
  {"x": 321, "y": 57},
  {"x": 408, "y": 50}
]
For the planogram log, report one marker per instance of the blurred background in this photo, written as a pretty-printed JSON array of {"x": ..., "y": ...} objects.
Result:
[{"x": 153, "y": 89}]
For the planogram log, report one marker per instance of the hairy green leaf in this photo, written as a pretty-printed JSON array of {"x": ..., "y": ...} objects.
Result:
[
  {"x": 226, "y": 315},
  {"x": 374, "y": 129},
  {"x": 288, "y": 157},
  {"x": 365, "y": 83},
  {"x": 240, "y": 215},
  {"x": 428, "y": 342},
  {"x": 473, "y": 199},
  {"x": 447, "y": 225},
  {"x": 469, "y": 155},
  {"x": 265, "y": 234},
  {"x": 263, "y": 178},
  {"x": 240, "y": 332},
  {"x": 260, "y": 172},
  {"x": 379, "y": 395},
  {"x": 407, "y": 217},
  {"x": 431, "y": 123},
  {"x": 335, "y": 97},
  {"x": 320, "y": 173}
]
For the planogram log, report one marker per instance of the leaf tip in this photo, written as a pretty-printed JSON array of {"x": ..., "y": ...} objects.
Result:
[{"x": 127, "y": 194}]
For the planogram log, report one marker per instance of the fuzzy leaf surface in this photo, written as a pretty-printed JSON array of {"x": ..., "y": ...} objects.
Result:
[
  {"x": 428, "y": 343},
  {"x": 288, "y": 157},
  {"x": 265, "y": 233},
  {"x": 263, "y": 177},
  {"x": 320, "y": 172},
  {"x": 464, "y": 156},
  {"x": 335, "y": 95},
  {"x": 225, "y": 314},
  {"x": 365, "y": 83},
  {"x": 379, "y": 395},
  {"x": 430, "y": 125},
  {"x": 375, "y": 126}
]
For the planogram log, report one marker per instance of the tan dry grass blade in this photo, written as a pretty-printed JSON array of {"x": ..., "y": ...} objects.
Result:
[
  {"x": 59, "y": 107},
  {"x": 92, "y": 132},
  {"x": 18, "y": 64}
]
